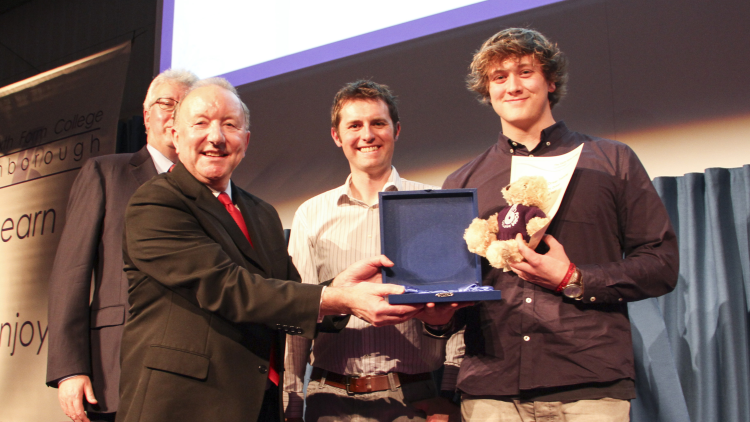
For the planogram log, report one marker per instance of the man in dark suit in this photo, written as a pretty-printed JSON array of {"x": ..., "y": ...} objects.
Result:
[
  {"x": 212, "y": 288},
  {"x": 85, "y": 329}
]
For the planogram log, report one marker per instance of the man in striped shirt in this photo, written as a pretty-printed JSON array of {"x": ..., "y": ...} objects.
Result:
[{"x": 377, "y": 374}]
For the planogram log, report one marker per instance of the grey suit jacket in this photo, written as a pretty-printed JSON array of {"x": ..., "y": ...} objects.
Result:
[
  {"x": 85, "y": 338},
  {"x": 205, "y": 305}
]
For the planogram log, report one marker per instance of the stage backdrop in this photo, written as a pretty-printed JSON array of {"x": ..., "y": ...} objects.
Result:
[{"x": 49, "y": 126}]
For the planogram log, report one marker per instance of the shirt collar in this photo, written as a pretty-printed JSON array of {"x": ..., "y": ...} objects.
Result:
[
  {"x": 228, "y": 191},
  {"x": 393, "y": 184},
  {"x": 550, "y": 137},
  {"x": 161, "y": 162}
]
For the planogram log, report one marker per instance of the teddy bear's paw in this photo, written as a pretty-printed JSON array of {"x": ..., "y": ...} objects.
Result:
[
  {"x": 512, "y": 254},
  {"x": 496, "y": 253},
  {"x": 477, "y": 237}
]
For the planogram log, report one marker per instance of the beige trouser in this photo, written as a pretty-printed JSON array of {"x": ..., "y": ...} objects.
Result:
[{"x": 603, "y": 410}]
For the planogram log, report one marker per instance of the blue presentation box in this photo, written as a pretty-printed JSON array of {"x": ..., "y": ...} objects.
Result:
[{"x": 422, "y": 233}]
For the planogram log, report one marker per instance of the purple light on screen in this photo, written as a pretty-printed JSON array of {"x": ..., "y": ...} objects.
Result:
[{"x": 462, "y": 16}]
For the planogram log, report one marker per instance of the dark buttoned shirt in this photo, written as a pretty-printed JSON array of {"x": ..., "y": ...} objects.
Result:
[{"x": 535, "y": 343}]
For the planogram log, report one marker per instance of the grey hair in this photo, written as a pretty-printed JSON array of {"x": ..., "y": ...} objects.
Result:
[
  {"x": 178, "y": 76},
  {"x": 222, "y": 83}
]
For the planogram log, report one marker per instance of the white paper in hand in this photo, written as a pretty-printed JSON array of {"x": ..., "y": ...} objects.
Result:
[{"x": 556, "y": 170}]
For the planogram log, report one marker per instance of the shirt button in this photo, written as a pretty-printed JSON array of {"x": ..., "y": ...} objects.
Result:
[
  {"x": 369, "y": 235},
  {"x": 528, "y": 300},
  {"x": 548, "y": 144},
  {"x": 526, "y": 338},
  {"x": 511, "y": 150},
  {"x": 515, "y": 144},
  {"x": 619, "y": 300},
  {"x": 262, "y": 369},
  {"x": 531, "y": 155},
  {"x": 593, "y": 299}
]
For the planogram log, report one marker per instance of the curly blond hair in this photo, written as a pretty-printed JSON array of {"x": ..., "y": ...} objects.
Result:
[{"x": 518, "y": 42}]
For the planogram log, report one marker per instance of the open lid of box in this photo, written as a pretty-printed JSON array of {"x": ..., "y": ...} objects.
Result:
[{"x": 422, "y": 233}]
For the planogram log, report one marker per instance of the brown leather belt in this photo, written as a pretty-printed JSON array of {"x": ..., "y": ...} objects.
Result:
[{"x": 366, "y": 384}]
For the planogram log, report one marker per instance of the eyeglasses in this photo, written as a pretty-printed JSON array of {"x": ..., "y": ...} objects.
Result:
[{"x": 166, "y": 104}]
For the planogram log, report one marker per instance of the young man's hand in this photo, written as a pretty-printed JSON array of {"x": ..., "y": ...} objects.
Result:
[
  {"x": 546, "y": 270},
  {"x": 440, "y": 313}
]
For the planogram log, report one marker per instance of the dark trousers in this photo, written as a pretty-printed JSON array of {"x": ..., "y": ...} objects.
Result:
[
  {"x": 101, "y": 417},
  {"x": 270, "y": 411}
]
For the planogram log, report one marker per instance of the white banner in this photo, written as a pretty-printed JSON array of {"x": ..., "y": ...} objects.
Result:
[{"x": 49, "y": 126}]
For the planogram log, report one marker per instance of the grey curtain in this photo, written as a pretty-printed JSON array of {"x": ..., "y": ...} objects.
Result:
[{"x": 692, "y": 346}]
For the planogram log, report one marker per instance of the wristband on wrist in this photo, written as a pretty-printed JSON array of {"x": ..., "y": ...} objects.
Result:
[
  {"x": 438, "y": 330},
  {"x": 566, "y": 279},
  {"x": 443, "y": 327}
]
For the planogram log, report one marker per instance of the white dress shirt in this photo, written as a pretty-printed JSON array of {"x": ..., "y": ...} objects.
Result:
[{"x": 330, "y": 232}]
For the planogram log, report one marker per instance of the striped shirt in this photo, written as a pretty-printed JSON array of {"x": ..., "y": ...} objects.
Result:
[{"x": 330, "y": 232}]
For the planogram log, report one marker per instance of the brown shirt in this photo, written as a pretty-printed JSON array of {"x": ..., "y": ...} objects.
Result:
[{"x": 614, "y": 227}]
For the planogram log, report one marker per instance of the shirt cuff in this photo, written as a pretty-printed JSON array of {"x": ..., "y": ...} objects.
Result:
[
  {"x": 67, "y": 378},
  {"x": 595, "y": 288},
  {"x": 320, "y": 315}
]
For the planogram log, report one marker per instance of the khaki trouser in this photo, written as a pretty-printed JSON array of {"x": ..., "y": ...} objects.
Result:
[{"x": 603, "y": 410}]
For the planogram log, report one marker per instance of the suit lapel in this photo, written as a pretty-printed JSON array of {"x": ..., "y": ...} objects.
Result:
[
  {"x": 142, "y": 166},
  {"x": 206, "y": 201},
  {"x": 254, "y": 225}
]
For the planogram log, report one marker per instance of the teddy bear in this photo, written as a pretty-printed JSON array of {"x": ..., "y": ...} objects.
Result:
[{"x": 494, "y": 238}]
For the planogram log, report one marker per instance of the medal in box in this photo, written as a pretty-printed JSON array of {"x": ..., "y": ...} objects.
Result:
[{"x": 422, "y": 233}]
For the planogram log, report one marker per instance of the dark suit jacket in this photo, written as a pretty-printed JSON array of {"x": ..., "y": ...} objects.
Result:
[
  {"x": 205, "y": 305},
  {"x": 85, "y": 338}
]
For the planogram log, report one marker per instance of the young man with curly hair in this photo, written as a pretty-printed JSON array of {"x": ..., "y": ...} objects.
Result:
[{"x": 558, "y": 346}]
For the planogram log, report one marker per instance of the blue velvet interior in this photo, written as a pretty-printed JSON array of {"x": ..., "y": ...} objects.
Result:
[{"x": 422, "y": 233}]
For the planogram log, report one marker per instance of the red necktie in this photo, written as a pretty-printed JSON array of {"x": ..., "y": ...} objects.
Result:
[
  {"x": 273, "y": 375},
  {"x": 236, "y": 214}
]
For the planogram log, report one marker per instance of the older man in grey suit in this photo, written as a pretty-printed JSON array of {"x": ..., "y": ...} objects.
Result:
[{"x": 85, "y": 329}]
